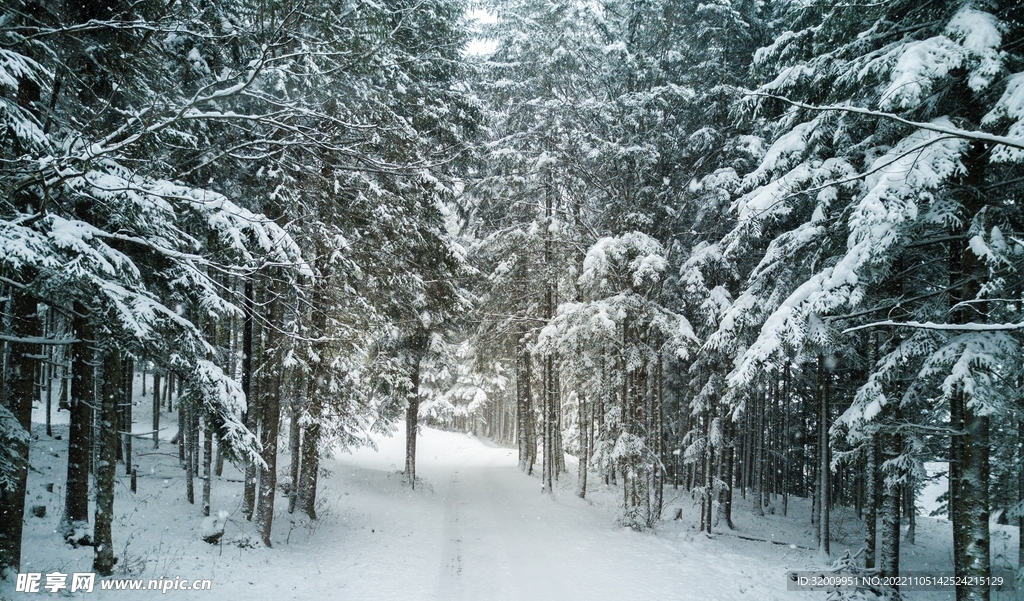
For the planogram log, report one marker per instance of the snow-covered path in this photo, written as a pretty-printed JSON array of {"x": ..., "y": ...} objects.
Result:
[
  {"x": 475, "y": 528},
  {"x": 484, "y": 531}
]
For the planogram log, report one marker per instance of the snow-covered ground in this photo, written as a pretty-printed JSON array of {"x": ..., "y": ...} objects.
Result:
[{"x": 474, "y": 528}]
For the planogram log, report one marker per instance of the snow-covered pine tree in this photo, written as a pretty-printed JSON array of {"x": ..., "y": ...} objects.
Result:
[{"x": 890, "y": 122}]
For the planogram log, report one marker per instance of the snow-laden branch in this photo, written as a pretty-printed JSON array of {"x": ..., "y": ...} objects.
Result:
[
  {"x": 929, "y": 325},
  {"x": 38, "y": 340},
  {"x": 978, "y": 136}
]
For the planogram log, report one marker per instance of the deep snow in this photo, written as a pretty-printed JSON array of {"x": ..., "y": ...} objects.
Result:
[{"x": 474, "y": 528}]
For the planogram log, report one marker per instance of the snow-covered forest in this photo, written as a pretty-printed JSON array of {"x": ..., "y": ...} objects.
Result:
[{"x": 739, "y": 270}]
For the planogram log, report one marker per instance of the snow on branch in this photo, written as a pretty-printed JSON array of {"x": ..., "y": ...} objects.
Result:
[
  {"x": 929, "y": 325},
  {"x": 908, "y": 175},
  {"x": 222, "y": 399},
  {"x": 1016, "y": 142}
]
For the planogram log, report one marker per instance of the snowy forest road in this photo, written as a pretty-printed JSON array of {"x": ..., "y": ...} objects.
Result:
[
  {"x": 474, "y": 529},
  {"x": 492, "y": 535}
]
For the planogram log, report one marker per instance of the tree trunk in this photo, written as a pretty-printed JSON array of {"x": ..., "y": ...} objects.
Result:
[
  {"x": 825, "y": 470},
  {"x": 181, "y": 435},
  {"x": 20, "y": 391},
  {"x": 156, "y": 410},
  {"x": 103, "y": 559},
  {"x": 186, "y": 436},
  {"x": 549, "y": 465},
  {"x": 581, "y": 479},
  {"x": 49, "y": 369},
  {"x": 889, "y": 554},
  {"x": 1020, "y": 491},
  {"x": 308, "y": 475},
  {"x": 252, "y": 408},
  {"x": 76, "y": 491},
  {"x": 530, "y": 421},
  {"x": 726, "y": 462},
  {"x": 787, "y": 440},
  {"x": 870, "y": 504},
  {"x": 207, "y": 464},
  {"x": 759, "y": 459},
  {"x": 270, "y": 409},
  {"x": 294, "y": 452},
  {"x": 411, "y": 424},
  {"x": 218, "y": 460},
  {"x": 974, "y": 491},
  {"x": 910, "y": 510},
  {"x": 127, "y": 380},
  {"x": 523, "y": 407}
]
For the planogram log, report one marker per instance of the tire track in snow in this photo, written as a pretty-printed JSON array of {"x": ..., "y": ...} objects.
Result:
[{"x": 450, "y": 582}]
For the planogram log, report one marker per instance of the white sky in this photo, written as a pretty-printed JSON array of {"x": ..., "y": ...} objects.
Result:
[{"x": 478, "y": 46}]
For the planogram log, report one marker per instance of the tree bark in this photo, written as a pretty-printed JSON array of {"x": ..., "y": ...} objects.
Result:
[
  {"x": 548, "y": 471},
  {"x": 252, "y": 407},
  {"x": 76, "y": 491},
  {"x": 523, "y": 407},
  {"x": 271, "y": 416},
  {"x": 156, "y": 410},
  {"x": 411, "y": 424},
  {"x": 825, "y": 470},
  {"x": 308, "y": 473},
  {"x": 787, "y": 440},
  {"x": 529, "y": 421},
  {"x": 127, "y": 380},
  {"x": 181, "y": 436},
  {"x": 207, "y": 464},
  {"x": 1020, "y": 490},
  {"x": 870, "y": 504},
  {"x": 974, "y": 491},
  {"x": 581, "y": 479},
  {"x": 20, "y": 391},
  {"x": 103, "y": 559},
  {"x": 187, "y": 435},
  {"x": 294, "y": 451}
]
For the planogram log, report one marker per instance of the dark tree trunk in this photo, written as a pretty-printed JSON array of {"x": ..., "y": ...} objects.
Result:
[
  {"x": 974, "y": 491},
  {"x": 218, "y": 460},
  {"x": 726, "y": 462},
  {"x": 20, "y": 392},
  {"x": 581, "y": 480},
  {"x": 186, "y": 437},
  {"x": 181, "y": 436},
  {"x": 104, "y": 560},
  {"x": 294, "y": 452},
  {"x": 787, "y": 440},
  {"x": 271, "y": 417},
  {"x": 308, "y": 475},
  {"x": 549, "y": 426},
  {"x": 207, "y": 464},
  {"x": 759, "y": 459},
  {"x": 870, "y": 503},
  {"x": 76, "y": 491},
  {"x": 127, "y": 380},
  {"x": 1020, "y": 489},
  {"x": 411, "y": 424},
  {"x": 529, "y": 421},
  {"x": 252, "y": 409},
  {"x": 523, "y": 407},
  {"x": 889, "y": 553},
  {"x": 825, "y": 470},
  {"x": 156, "y": 410}
]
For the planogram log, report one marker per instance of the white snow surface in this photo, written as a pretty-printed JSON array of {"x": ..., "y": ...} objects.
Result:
[{"x": 474, "y": 528}]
